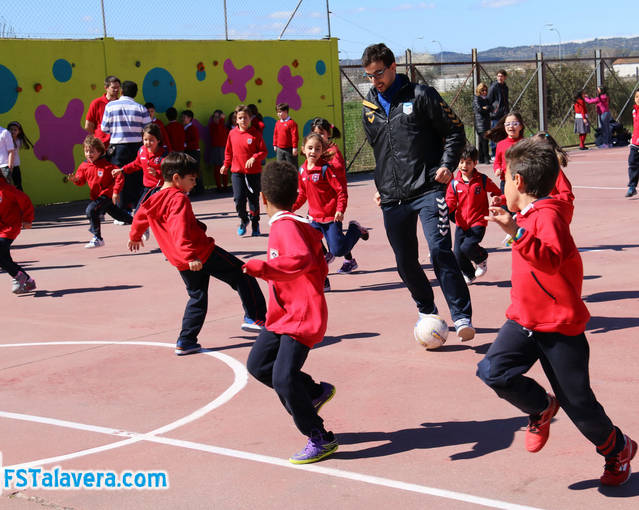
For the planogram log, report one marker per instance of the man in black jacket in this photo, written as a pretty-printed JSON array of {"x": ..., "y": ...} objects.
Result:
[
  {"x": 417, "y": 140},
  {"x": 498, "y": 101}
]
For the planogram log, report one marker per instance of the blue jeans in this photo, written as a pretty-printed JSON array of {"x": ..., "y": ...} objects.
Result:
[
  {"x": 338, "y": 243},
  {"x": 468, "y": 250},
  {"x": 400, "y": 222},
  {"x": 606, "y": 131}
]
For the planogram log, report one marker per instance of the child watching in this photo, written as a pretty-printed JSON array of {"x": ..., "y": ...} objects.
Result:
[
  {"x": 175, "y": 131},
  {"x": 633, "y": 155},
  {"x": 192, "y": 145},
  {"x": 20, "y": 141},
  {"x": 244, "y": 153},
  {"x": 218, "y": 133},
  {"x": 467, "y": 199},
  {"x": 164, "y": 136},
  {"x": 547, "y": 317},
  {"x": 297, "y": 312},
  {"x": 513, "y": 126},
  {"x": 285, "y": 137},
  {"x": 183, "y": 240},
  {"x": 16, "y": 212},
  {"x": 104, "y": 188}
]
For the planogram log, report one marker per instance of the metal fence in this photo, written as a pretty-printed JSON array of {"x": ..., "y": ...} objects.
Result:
[{"x": 542, "y": 90}]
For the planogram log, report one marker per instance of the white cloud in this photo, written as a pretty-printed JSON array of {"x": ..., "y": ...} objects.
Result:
[
  {"x": 280, "y": 14},
  {"x": 410, "y": 7},
  {"x": 496, "y": 4}
]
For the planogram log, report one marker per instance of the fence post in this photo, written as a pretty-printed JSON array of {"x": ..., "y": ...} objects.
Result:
[
  {"x": 408, "y": 57},
  {"x": 541, "y": 89},
  {"x": 475, "y": 83},
  {"x": 599, "y": 68}
]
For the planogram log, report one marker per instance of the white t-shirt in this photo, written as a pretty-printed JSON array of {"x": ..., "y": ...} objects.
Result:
[{"x": 6, "y": 145}]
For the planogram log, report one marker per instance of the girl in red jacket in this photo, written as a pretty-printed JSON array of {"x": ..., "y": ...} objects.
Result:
[
  {"x": 514, "y": 127},
  {"x": 327, "y": 199},
  {"x": 104, "y": 188},
  {"x": 244, "y": 153},
  {"x": 16, "y": 212},
  {"x": 633, "y": 155},
  {"x": 297, "y": 313},
  {"x": 218, "y": 133},
  {"x": 582, "y": 126}
]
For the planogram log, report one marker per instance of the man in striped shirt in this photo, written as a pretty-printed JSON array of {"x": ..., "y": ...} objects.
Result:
[{"x": 124, "y": 119}]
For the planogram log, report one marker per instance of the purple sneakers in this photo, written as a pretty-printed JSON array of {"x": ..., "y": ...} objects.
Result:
[
  {"x": 317, "y": 447},
  {"x": 328, "y": 392}
]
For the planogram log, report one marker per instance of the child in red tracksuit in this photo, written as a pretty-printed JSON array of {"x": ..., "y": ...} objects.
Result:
[
  {"x": 547, "y": 317},
  {"x": 245, "y": 150},
  {"x": 285, "y": 136},
  {"x": 175, "y": 131},
  {"x": 104, "y": 188},
  {"x": 297, "y": 312},
  {"x": 183, "y": 240},
  {"x": 16, "y": 212},
  {"x": 633, "y": 155},
  {"x": 467, "y": 199},
  {"x": 514, "y": 128},
  {"x": 327, "y": 199},
  {"x": 164, "y": 136}
]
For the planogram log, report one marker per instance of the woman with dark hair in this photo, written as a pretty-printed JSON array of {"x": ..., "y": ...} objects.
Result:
[
  {"x": 603, "y": 112},
  {"x": 582, "y": 126},
  {"x": 481, "y": 108}
]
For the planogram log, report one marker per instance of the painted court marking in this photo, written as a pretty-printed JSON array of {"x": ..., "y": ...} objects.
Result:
[{"x": 241, "y": 378}]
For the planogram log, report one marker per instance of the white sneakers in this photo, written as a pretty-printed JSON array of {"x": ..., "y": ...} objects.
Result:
[
  {"x": 481, "y": 269},
  {"x": 94, "y": 243}
]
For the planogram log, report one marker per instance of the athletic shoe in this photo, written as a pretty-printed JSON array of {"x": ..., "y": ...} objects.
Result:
[
  {"x": 329, "y": 257},
  {"x": 631, "y": 192},
  {"x": 617, "y": 469},
  {"x": 328, "y": 392},
  {"x": 481, "y": 269},
  {"x": 146, "y": 236},
  {"x": 583, "y": 148},
  {"x": 327, "y": 285},
  {"x": 363, "y": 231},
  {"x": 182, "y": 351},
  {"x": 538, "y": 429},
  {"x": 316, "y": 449},
  {"x": 255, "y": 231},
  {"x": 118, "y": 222},
  {"x": 464, "y": 329},
  {"x": 28, "y": 286},
  {"x": 241, "y": 230},
  {"x": 469, "y": 280},
  {"x": 94, "y": 243},
  {"x": 18, "y": 282},
  {"x": 254, "y": 326},
  {"x": 348, "y": 266}
]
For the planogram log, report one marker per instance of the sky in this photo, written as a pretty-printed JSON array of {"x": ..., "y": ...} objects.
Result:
[{"x": 425, "y": 27}]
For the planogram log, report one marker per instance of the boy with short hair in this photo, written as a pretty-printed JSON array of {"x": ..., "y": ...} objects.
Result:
[
  {"x": 467, "y": 199},
  {"x": 547, "y": 317},
  {"x": 175, "y": 130},
  {"x": 165, "y": 136},
  {"x": 183, "y": 240},
  {"x": 285, "y": 136},
  {"x": 297, "y": 312}
]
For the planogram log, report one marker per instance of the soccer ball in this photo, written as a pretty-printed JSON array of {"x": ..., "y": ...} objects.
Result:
[{"x": 431, "y": 331}]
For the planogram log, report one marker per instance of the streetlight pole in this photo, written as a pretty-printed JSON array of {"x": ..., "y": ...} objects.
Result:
[
  {"x": 552, "y": 28},
  {"x": 441, "y": 57}
]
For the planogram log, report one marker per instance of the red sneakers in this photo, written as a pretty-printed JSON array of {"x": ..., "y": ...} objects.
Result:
[
  {"x": 538, "y": 430},
  {"x": 617, "y": 469}
]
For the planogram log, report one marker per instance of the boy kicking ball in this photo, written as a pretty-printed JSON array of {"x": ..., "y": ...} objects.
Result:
[
  {"x": 297, "y": 312},
  {"x": 547, "y": 317}
]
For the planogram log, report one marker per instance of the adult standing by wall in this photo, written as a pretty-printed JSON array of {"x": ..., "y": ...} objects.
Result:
[
  {"x": 7, "y": 154},
  {"x": 93, "y": 120},
  {"x": 124, "y": 119},
  {"x": 498, "y": 99},
  {"x": 417, "y": 140},
  {"x": 602, "y": 102},
  {"x": 481, "y": 109}
]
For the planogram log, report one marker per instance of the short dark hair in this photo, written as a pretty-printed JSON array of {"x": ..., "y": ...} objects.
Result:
[
  {"x": 281, "y": 107},
  {"x": 153, "y": 129},
  {"x": 129, "y": 88},
  {"x": 243, "y": 108},
  {"x": 502, "y": 71},
  {"x": 171, "y": 113},
  {"x": 188, "y": 113},
  {"x": 469, "y": 152},
  {"x": 377, "y": 53},
  {"x": 179, "y": 163},
  {"x": 95, "y": 142},
  {"x": 536, "y": 161},
  {"x": 149, "y": 105},
  {"x": 325, "y": 125},
  {"x": 280, "y": 183},
  {"x": 111, "y": 79}
]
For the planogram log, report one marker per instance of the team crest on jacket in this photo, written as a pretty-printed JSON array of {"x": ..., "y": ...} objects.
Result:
[
  {"x": 370, "y": 116},
  {"x": 315, "y": 177},
  {"x": 408, "y": 108},
  {"x": 273, "y": 253},
  {"x": 249, "y": 141},
  {"x": 100, "y": 173},
  {"x": 477, "y": 190}
]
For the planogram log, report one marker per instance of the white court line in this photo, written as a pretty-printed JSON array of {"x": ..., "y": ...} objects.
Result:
[{"x": 238, "y": 384}]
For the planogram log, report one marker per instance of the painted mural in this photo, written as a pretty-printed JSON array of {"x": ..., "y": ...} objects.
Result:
[{"x": 48, "y": 85}]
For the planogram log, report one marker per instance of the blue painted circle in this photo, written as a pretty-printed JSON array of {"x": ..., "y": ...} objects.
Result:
[
  {"x": 320, "y": 67},
  {"x": 62, "y": 70},
  {"x": 307, "y": 127},
  {"x": 8, "y": 89},
  {"x": 269, "y": 128},
  {"x": 159, "y": 88},
  {"x": 200, "y": 75}
]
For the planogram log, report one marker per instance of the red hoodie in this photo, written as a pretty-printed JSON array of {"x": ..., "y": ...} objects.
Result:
[
  {"x": 547, "y": 272},
  {"x": 296, "y": 270},
  {"x": 285, "y": 134},
  {"x": 182, "y": 238},
  {"x": 149, "y": 163},
  {"x": 177, "y": 137},
  {"x": 500, "y": 154},
  {"x": 15, "y": 208},
  {"x": 242, "y": 146},
  {"x": 469, "y": 200},
  {"x": 166, "y": 140},
  {"x": 324, "y": 190},
  {"x": 635, "y": 125},
  {"x": 99, "y": 178}
]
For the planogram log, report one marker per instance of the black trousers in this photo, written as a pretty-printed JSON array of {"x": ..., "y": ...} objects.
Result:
[
  {"x": 484, "y": 152},
  {"x": 247, "y": 187},
  {"x": 102, "y": 205},
  {"x": 6, "y": 262},
  {"x": 227, "y": 268},
  {"x": 565, "y": 363},
  {"x": 467, "y": 249},
  {"x": 123, "y": 153},
  {"x": 633, "y": 167},
  {"x": 286, "y": 154},
  {"x": 276, "y": 361}
]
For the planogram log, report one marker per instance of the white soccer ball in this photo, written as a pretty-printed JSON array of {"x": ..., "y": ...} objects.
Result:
[{"x": 431, "y": 331}]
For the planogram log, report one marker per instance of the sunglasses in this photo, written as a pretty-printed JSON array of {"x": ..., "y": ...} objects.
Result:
[
  {"x": 376, "y": 74},
  {"x": 512, "y": 124}
]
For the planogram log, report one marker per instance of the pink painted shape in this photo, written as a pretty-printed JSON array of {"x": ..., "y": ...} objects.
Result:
[
  {"x": 236, "y": 79},
  {"x": 58, "y": 135},
  {"x": 290, "y": 84}
]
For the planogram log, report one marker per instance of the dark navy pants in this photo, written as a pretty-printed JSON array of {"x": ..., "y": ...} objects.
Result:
[
  {"x": 565, "y": 363},
  {"x": 6, "y": 262},
  {"x": 468, "y": 250},
  {"x": 227, "y": 268},
  {"x": 339, "y": 244},
  {"x": 633, "y": 167},
  {"x": 400, "y": 222},
  {"x": 102, "y": 205},
  {"x": 276, "y": 361},
  {"x": 247, "y": 187},
  {"x": 122, "y": 154}
]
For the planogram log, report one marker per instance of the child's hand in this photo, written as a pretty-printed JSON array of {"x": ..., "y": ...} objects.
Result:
[
  {"x": 377, "y": 198},
  {"x": 339, "y": 216},
  {"x": 249, "y": 162},
  {"x": 294, "y": 152},
  {"x": 503, "y": 218},
  {"x": 116, "y": 171},
  {"x": 495, "y": 201},
  {"x": 443, "y": 175},
  {"x": 134, "y": 245},
  {"x": 499, "y": 172},
  {"x": 195, "y": 265},
  {"x": 115, "y": 198},
  {"x": 26, "y": 224},
  {"x": 223, "y": 170}
]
